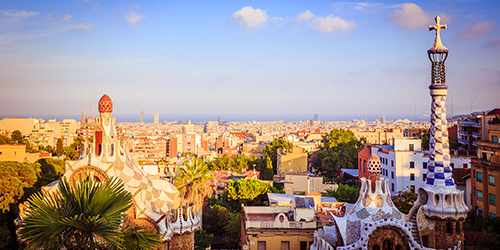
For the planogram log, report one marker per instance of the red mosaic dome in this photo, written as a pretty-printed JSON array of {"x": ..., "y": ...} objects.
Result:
[{"x": 105, "y": 104}]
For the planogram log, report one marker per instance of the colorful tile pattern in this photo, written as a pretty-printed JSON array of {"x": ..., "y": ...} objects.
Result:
[{"x": 353, "y": 231}]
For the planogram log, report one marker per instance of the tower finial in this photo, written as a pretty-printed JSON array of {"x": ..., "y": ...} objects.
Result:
[{"x": 438, "y": 46}]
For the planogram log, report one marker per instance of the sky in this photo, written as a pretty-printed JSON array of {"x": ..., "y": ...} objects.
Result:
[{"x": 245, "y": 59}]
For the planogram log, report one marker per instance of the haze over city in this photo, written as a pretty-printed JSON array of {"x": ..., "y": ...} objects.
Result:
[{"x": 254, "y": 60}]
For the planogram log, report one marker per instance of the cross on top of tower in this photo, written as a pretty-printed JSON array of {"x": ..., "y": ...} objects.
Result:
[{"x": 438, "y": 47}]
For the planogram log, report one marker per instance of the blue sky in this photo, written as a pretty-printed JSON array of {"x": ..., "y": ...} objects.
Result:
[{"x": 244, "y": 57}]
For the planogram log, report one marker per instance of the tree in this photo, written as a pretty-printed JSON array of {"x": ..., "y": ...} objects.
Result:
[
  {"x": 85, "y": 215},
  {"x": 72, "y": 152},
  {"x": 215, "y": 218},
  {"x": 247, "y": 189},
  {"x": 191, "y": 180},
  {"x": 18, "y": 176},
  {"x": 405, "y": 200},
  {"x": 6, "y": 140},
  {"x": 17, "y": 136},
  {"x": 344, "y": 193},
  {"x": 202, "y": 240},
  {"x": 59, "y": 148},
  {"x": 233, "y": 231},
  {"x": 338, "y": 149},
  {"x": 272, "y": 149},
  {"x": 425, "y": 137}
]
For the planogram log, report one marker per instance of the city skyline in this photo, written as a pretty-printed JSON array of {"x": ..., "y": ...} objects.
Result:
[{"x": 242, "y": 59}]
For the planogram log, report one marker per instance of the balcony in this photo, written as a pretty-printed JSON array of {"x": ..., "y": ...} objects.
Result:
[
  {"x": 476, "y": 134},
  {"x": 474, "y": 143},
  {"x": 476, "y": 125},
  {"x": 484, "y": 163},
  {"x": 463, "y": 133},
  {"x": 276, "y": 225},
  {"x": 466, "y": 123},
  {"x": 489, "y": 145},
  {"x": 464, "y": 142}
]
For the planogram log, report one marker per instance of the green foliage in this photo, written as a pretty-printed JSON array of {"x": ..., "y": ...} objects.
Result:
[
  {"x": 17, "y": 136},
  {"x": 405, "y": 200},
  {"x": 72, "y": 152},
  {"x": 454, "y": 144},
  {"x": 202, "y": 240},
  {"x": 247, "y": 189},
  {"x": 215, "y": 218},
  {"x": 59, "y": 148},
  {"x": 490, "y": 226},
  {"x": 344, "y": 193},
  {"x": 425, "y": 137},
  {"x": 17, "y": 177},
  {"x": 233, "y": 231},
  {"x": 6, "y": 140},
  {"x": 191, "y": 181},
  {"x": 272, "y": 149},
  {"x": 236, "y": 163},
  {"x": 80, "y": 214},
  {"x": 338, "y": 149}
]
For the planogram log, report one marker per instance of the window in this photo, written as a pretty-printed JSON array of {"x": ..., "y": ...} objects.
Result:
[
  {"x": 412, "y": 188},
  {"x": 480, "y": 212},
  {"x": 0, "y": 152},
  {"x": 412, "y": 177},
  {"x": 424, "y": 177},
  {"x": 466, "y": 165},
  {"x": 491, "y": 180},
  {"x": 412, "y": 147},
  {"x": 285, "y": 245},
  {"x": 479, "y": 177},
  {"x": 448, "y": 227},
  {"x": 303, "y": 245},
  {"x": 392, "y": 187},
  {"x": 494, "y": 139},
  {"x": 493, "y": 199},
  {"x": 392, "y": 163},
  {"x": 424, "y": 165},
  {"x": 392, "y": 174},
  {"x": 261, "y": 245},
  {"x": 480, "y": 195},
  {"x": 412, "y": 164},
  {"x": 452, "y": 165},
  {"x": 492, "y": 215}
]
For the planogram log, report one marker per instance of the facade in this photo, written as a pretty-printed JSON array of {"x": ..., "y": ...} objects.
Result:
[
  {"x": 157, "y": 117},
  {"x": 405, "y": 164},
  {"x": 17, "y": 152},
  {"x": 486, "y": 172},
  {"x": 436, "y": 219},
  {"x": 156, "y": 202},
  {"x": 47, "y": 133},
  {"x": 379, "y": 136},
  {"x": 294, "y": 161},
  {"x": 25, "y": 125},
  {"x": 279, "y": 227},
  {"x": 301, "y": 183},
  {"x": 363, "y": 156},
  {"x": 141, "y": 118}
]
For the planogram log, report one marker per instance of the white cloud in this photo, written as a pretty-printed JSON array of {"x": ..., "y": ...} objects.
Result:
[
  {"x": 410, "y": 16},
  {"x": 66, "y": 18},
  {"x": 305, "y": 16},
  {"x": 475, "y": 30},
  {"x": 81, "y": 26},
  {"x": 332, "y": 23},
  {"x": 20, "y": 14},
  {"x": 327, "y": 24},
  {"x": 250, "y": 17},
  {"x": 133, "y": 18}
]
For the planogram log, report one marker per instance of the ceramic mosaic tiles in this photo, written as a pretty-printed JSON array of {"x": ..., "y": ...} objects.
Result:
[{"x": 352, "y": 231}]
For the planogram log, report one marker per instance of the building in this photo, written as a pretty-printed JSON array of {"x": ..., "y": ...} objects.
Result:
[
  {"x": 474, "y": 128},
  {"x": 25, "y": 125},
  {"x": 293, "y": 161},
  {"x": 436, "y": 221},
  {"x": 156, "y": 203},
  {"x": 141, "y": 118},
  {"x": 379, "y": 136},
  {"x": 485, "y": 172},
  {"x": 17, "y": 152},
  {"x": 277, "y": 227},
  {"x": 405, "y": 164},
  {"x": 157, "y": 117},
  {"x": 363, "y": 156},
  {"x": 300, "y": 183},
  {"x": 47, "y": 133}
]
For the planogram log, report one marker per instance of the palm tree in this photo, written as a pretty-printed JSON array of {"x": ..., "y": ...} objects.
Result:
[
  {"x": 85, "y": 215},
  {"x": 191, "y": 181}
]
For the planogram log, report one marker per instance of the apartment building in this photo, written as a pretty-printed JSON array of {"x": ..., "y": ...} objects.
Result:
[
  {"x": 404, "y": 163},
  {"x": 293, "y": 161},
  {"x": 486, "y": 172}
]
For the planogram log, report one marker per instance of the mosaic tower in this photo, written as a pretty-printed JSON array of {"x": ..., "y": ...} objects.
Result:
[{"x": 441, "y": 202}]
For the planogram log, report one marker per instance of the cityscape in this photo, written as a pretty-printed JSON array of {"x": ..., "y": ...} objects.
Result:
[{"x": 225, "y": 126}]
